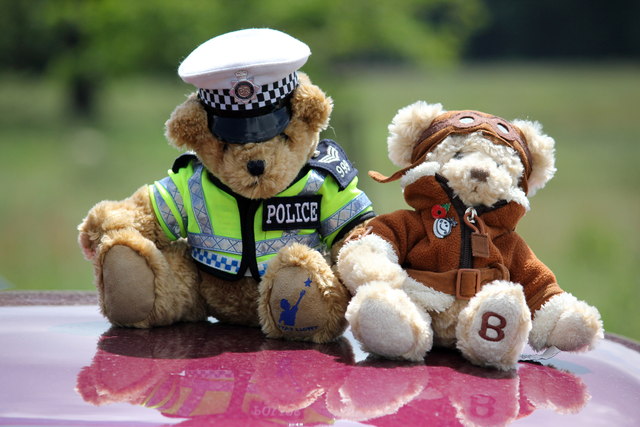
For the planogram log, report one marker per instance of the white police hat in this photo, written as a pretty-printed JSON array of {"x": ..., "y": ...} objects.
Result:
[{"x": 244, "y": 80}]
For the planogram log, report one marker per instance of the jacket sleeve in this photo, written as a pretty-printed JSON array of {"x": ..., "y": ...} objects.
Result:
[
  {"x": 538, "y": 281},
  {"x": 400, "y": 228}
]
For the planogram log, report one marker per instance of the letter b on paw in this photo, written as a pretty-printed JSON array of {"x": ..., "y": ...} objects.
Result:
[{"x": 492, "y": 326}]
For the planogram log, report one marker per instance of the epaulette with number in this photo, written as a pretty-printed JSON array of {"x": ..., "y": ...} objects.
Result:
[{"x": 331, "y": 158}]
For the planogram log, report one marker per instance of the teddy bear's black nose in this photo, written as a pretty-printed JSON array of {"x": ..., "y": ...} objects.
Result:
[
  {"x": 479, "y": 175},
  {"x": 255, "y": 167}
]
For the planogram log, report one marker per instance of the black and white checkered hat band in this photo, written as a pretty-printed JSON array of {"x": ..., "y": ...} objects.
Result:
[{"x": 223, "y": 99}]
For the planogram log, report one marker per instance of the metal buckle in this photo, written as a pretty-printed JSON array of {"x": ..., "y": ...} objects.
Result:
[{"x": 478, "y": 282}]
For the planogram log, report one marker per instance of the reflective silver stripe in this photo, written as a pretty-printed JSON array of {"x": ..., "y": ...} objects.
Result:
[
  {"x": 217, "y": 261},
  {"x": 215, "y": 243},
  {"x": 167, "y": 216},
  {"x": 273, "y": 246},
  {"x": 315, "y": 181},
  {"x": 172, "y": 189},
  {"x": 263, "y": 247},
  {"x": 198, "y": 204},
  {"x": 344, "y": 215}
]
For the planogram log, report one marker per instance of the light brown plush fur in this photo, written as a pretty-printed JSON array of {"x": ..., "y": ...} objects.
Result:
[{"x": 180, "y": 291}]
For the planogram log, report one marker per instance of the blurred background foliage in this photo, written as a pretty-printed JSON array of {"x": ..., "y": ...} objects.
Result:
[{"x": 86, "y": 86}]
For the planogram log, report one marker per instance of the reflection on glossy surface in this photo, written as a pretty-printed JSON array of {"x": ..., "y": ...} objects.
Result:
[
  {"x": 70, "y": 363},
  {"x": 214, "y": 372}
]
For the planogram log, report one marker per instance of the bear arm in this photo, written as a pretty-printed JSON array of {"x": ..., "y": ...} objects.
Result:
[
  {"x": 369, "y": 259},
  {"x": 146, "y": 220},
  {"x": 537, "y": 280},
  {"x": 378, "y": 253},
  {"x": 356, "y": 232},
  {"x": 110, "y": 216}
]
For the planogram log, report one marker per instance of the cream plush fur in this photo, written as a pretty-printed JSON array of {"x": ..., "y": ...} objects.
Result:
[
  {"x": 394, "y": 316},
  {"x": 146, "y": 280}
]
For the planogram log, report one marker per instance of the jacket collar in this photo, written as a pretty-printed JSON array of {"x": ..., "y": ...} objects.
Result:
[{"x": 431, "y": 190}]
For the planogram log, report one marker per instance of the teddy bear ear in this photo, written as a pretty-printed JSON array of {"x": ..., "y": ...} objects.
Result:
[
  {"x": 310, "y": 104},
  {"x": 188, "y": 124},
  {"x": 542, "y": 148},
  {"x": 406, "y": 127}
]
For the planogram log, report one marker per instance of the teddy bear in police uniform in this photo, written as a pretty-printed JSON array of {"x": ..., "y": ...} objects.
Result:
[
  {"x": 452, "y": 271},
  {"x": 247, "y": 223}
]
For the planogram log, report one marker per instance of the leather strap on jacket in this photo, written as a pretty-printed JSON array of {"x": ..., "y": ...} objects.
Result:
[{"x": 463, "y": 283}]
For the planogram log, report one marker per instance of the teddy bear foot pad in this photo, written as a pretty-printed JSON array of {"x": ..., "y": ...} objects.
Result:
[{"x": 128, "y": 286}]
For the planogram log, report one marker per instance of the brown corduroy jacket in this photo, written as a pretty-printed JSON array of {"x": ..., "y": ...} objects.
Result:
[{"x": 421, "y": 252}]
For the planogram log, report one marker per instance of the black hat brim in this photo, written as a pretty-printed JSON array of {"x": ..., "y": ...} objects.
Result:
[{"x": 244, "y": 130}]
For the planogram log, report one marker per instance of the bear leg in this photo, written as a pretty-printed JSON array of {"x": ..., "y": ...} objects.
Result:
[
  {"x": 493, "y": 329},
  {"x": 234, "y": 302},
  {"x": 142, "y": 286},
  {"x": 301, "y": 298},
  {"x": 387, "y": 323}
]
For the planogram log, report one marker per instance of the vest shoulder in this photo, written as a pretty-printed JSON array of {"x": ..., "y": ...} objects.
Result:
[
  {"x": 183, "y": 161},
  {"x": 331, "y": 158}
]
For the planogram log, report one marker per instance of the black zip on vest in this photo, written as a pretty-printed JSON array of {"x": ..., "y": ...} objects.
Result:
[
  {"x": 247, "y": 209},
  {"x": 466, "y": 254}
]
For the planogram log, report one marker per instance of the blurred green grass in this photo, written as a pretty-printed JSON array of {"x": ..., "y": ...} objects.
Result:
[{"x": 585, "y": 224}]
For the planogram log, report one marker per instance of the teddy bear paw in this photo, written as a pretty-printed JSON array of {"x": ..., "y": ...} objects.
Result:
[
  {"x": 128, "y": 286},
  {"x": 367, "y": 259},
  {"x": 493, "y": 329},
  {"x": 300, "y": 297},
  {"x": 387, "y": 323},
  {"x": 566, "y": 323}
]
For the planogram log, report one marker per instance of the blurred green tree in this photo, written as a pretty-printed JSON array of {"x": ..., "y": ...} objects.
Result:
[{"x": 87, "y": 41}]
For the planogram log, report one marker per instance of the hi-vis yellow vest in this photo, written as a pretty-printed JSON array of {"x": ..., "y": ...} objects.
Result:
[{"x": 232, "y": 236}]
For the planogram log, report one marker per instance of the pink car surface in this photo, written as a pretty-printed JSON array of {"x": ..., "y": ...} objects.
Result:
[{"x": 61, "y": 363}]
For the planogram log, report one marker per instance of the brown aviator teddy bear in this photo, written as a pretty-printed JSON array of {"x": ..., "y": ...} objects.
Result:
[
  {"x": 453, "y": 272},
  {"x": 240, "y": 227}
]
